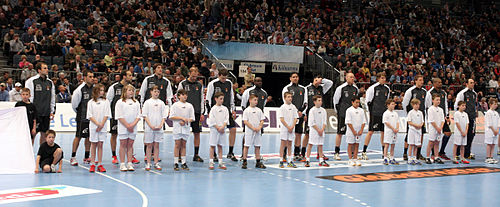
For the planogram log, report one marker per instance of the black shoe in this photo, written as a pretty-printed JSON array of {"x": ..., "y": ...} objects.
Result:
[
  {"x": 244, "y": 165},
  {"x": 184, "y": 166},
  {"x": 420, "y": 157},
  {"x": 260, "y": 165},
  {"x": 197, "y": 158},
  {"x": 216, "y": 159},
  {"x": 176, "y": 167},
  {"x": 232, "y": 157},
  {"x": 438, "y": 161},
  {"x": 428, "y": 160},
  {"x": 405, "y": 157},
  {"x": 472, "y": 156}
]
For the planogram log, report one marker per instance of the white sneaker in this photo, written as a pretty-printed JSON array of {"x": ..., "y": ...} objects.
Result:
[
  {"x": 148, "y": 166},
  {"x": 222, "y": 166},
  {"x": 130, "y": 167},
  {"x": 494, "y": 161},
  {"x": 351, "y": 163},
  {"x": 211, "y": 166},
  {"x": 123, "y": 167},
  {"x": 52, "y": 168},
  {"x": 364, "y": 156},
  {"x": 487, "y": 160},
  {"x": 358, "y": 163},
  {"x": 157, "y": 166},
  {"x": 337, "y": 156},
  {"x": 73, "y": 161}
]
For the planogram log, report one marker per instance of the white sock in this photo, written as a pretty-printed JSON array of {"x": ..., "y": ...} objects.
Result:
[
  {"x": 211, "y": 160},
  {"x": 307, "y": 159},
  {"x": 289, "y": 158},
  {"x": 183, "y": 159},
  {"x": 176, "y": 159},
  {"x": 321, "y": 159},
  {"x": 281, "y": 159}
]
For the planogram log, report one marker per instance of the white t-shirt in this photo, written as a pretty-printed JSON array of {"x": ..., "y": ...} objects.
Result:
[
  {"x": 392, "y": 118},
  {"x": 417, "y": 117},
  {"x": 317, "y": 117},
  {"x": 461, "y": 119},
  {"x": 435, "y": 115},
  {"x": 491, "y": 120},
  {"x": 356, "y": 117},
  {"x": 129, "y": 110},
  {"x": 155, "y": 111},
  {"x": 253, "y": 115},
  {"x": 289, "y": 112},
  {"x": 184, "y": 110},
  {"x": 218, "y": 115},
  {"x": 98, "y": 110}
]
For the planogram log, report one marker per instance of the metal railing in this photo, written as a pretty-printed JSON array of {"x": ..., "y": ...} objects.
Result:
[{"x": 216, "y": 60}]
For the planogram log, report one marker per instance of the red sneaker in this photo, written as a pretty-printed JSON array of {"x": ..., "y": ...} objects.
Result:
[
  {"x": 114, "y": 160},
  {"x": 100, "y": 168},
  {"x": 465, "y": 161},
  {"x": 92, "y": 168},
  {"x": 135, "y": 161}
]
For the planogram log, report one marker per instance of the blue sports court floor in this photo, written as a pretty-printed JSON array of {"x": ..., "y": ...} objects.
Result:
[{"x": 253, "y": 187}]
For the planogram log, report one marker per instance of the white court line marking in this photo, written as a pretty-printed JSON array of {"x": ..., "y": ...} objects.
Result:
[
  {"x": 143, "y": 196},
  {"x": 152, "y": 171},
  {"x": 323, "y": 187},
  {"x": 337, "y": 164}
]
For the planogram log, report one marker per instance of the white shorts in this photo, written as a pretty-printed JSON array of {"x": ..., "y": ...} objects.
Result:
[
  {"x": 434, "y": 137},
  {"x": 127, "y": 136},
  {"x": 180, "y": 136},
  {"x": 217, "y": 138},
  {"x": 97, "y": 136},
  {"x": 414, "y": 138},
  {"x": 491, "y": 140},
  {"x": 459, "y": 140},
  {"x": 252, "y": 138},
  {"x": 390, "y": 138},
  {"x": 150, "y": 137},
  {"x": 316, "y": 140},
  {"x": 285, "y": 136},
  {"x": 353, "y": 139}
]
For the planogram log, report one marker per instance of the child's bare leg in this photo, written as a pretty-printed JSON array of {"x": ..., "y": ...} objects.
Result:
[
  {"x": 257, "y": 153},
  {"x": 46, "y": 169},
  {"x": 156, "y": 151},
  {"x": 57, "y": 156},
  {"x": 245, "y": 152},
  {"x": 320, "y": 152},
  {"x": 289, "y": 152},
  {"x": 392, "y": 150},
  {"x": 436, "y": 148},
  {"x": 219, "y": 150},
  {"x": 356, "y": 148},
  {"x": 130, "y": 145},
  {"x": 308, "y": 152},
  {"x": 386, "y": 146},
  {"x": 99, "y": 152},
  {"x": 462, "y": 152},
  {"x": 183, "y": 148},
  {"x": 149, "y": 150},
  {"x": 349, "y": 151},
  {"x": 176, "y": 150},
  {"x": 429, "y": 147},
  {"x": 454, "y": 151},
  {"x": 123, "y": 150},
  {"x": 410, "y": 149},
  {"x": 212, "y": 149},
  {"x": 282, "y": 147}
]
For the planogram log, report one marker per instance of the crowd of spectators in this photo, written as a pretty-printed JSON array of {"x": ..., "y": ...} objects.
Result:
[{"x": 451, "y": 42}]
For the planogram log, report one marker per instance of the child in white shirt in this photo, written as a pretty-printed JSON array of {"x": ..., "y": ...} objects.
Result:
[
  {"x": 98, "y": 112},
  {"x": 391, "y": 128},
  {"x": 436, "y": 123},
  {"x": 288, "y": 118},
  {"x": 460, "y": 133},
  {"x": 316, "y": 121},
  {"x": 253, "y": 118},
  {"x": 415, "y": 119},
  {"x": 182, "y": 114},
  {"x": 128, "y": 113},
  {"x": 355, "y": 121},
  {"x": 217, "y": 121},
  {"x": 491, "y": 133},
  {"x": 154, "y": 112}
]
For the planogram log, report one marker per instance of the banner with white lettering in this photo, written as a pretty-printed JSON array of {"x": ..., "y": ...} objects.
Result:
[
  {"x": 285, "y": 67},
  {"x": 256, "y": 67}
]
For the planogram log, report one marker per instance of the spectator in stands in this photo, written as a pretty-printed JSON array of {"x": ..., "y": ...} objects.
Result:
[
  {"x": 24, "y": 62},
  {"x": 15, "y": 94},
  {"x": 249, "y": 77},
  {"x": 4, "y": 94},
  {"x": 28, "y": 72},
  {"x": 63, "y": 96},
  {"x": 9, "y": 83}
]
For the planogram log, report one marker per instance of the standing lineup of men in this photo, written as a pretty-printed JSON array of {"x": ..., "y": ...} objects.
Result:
[{"x": 43, "y": 97}]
